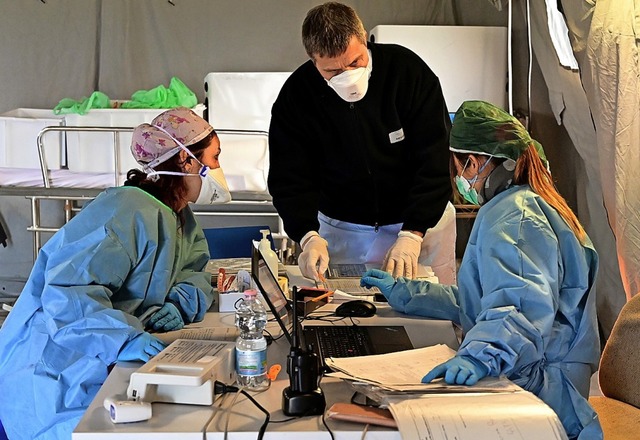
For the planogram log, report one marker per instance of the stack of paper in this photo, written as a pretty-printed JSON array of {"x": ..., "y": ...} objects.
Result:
[
  {"x": 494, "y": 408},
  {"x": 403, "y": 371}
]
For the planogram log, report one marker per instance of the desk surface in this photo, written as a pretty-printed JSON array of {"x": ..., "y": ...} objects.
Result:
[
  {"x": 173, "y": 421},
  {"x": 232, "y": 413}
]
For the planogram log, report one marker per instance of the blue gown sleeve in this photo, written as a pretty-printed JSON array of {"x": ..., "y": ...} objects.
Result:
[
  {"x": 514, "y": 266},
  {"x": 423, "y": 298},
  {"x": 192, "y": 292}
]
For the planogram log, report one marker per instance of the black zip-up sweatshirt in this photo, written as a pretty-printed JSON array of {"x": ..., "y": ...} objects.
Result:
[{"x": 337, "y": 157}]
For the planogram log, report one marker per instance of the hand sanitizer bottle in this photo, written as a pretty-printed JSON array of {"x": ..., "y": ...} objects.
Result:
[{"x": 269, "y": 255}]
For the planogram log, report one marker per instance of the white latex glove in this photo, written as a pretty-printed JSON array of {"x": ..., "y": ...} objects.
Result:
[
  {"x": 402, "y": 257},
  {"x": 314, "y": 259}
]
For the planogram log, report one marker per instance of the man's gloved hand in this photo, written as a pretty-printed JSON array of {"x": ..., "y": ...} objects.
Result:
[
  {"x": 141, "y": 348},
  {"x": 314, "y": 259},
  {"x": 380, "y": 279},
  {"x": 402, "y": 257},
  {"x": 460, "y": 370},
  {"x": 166, "y": 319}
]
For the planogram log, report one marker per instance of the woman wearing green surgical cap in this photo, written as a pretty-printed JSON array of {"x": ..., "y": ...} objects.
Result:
[{"x": 526, "y": 296}]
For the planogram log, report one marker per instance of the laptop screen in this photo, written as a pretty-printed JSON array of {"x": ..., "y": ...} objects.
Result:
[{"x": 271, "y": 291}]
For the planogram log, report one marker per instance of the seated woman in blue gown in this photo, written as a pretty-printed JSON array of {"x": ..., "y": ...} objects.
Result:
[
  {"x": 131, "y": 259},
  {"x": 525, "y": 297}
]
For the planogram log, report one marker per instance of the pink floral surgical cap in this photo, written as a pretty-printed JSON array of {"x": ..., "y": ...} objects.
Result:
[{"x": 166, "y": 132}]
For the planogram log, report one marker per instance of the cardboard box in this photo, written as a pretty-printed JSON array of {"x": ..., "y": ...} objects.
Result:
[{"x": 19, "y": 129}]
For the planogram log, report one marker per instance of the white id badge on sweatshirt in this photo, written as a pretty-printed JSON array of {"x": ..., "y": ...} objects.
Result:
[{"x": 396, "y": 136}]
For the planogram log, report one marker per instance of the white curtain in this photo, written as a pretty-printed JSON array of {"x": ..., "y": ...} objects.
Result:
[
  {"x": 591, "y": 105},
  {"x": 611, "y": 76}
]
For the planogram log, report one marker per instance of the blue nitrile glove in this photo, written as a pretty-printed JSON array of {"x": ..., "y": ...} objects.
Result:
[
  {"x": 141, "y": 348},
  {"x": 380, "y": 279},
  {"x": 460, "y": 370},
  {"x": 166, "y": 319}
]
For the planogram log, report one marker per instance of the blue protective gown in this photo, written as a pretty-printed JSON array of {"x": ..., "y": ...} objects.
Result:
[
  {"x": 526, "y": 303},
  {"x": 123, "y": 255}
]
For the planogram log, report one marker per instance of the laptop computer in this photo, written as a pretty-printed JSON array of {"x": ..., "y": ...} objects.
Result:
[
  {"x": 389, "y": 332},
  {"x": 331, "y": 340},
  {"x": 335, "y": 341}
]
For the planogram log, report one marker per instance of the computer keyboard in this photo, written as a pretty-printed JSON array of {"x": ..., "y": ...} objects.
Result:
[{"x": 343, "y": 341}]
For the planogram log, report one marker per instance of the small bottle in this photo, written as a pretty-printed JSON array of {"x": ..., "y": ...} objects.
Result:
[
  {"x": 251, "y": 346},
  {"x": 268, "y": 254}
]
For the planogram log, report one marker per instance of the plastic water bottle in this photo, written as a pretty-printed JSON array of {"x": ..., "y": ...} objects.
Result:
[{"x": 251, "y": 346}]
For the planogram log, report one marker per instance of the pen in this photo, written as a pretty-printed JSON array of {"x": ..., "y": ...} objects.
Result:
[
  {"x": 323, "y": 296},
  {"x": 323, "y": 280}
]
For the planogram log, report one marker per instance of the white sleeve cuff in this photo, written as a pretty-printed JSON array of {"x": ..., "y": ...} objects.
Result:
[{"x": 306, "y": 237}]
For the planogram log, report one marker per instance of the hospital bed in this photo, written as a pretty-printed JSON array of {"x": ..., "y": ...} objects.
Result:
[{"x": 75, "y": 162}]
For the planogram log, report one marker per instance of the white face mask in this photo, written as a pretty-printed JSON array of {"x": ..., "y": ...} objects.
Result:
[
  {"x": 352, "y": 85},
  {"x": 214, "y": 189}
]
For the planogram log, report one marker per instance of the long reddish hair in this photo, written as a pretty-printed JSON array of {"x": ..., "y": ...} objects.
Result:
[{"x": 531, "y": 171}]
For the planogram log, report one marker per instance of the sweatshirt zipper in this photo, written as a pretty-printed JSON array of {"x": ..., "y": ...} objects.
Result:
[{"x": 352, "y": 107}]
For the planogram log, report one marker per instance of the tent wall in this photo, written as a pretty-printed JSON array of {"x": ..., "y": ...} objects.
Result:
[{"x": 54, "y": 49}]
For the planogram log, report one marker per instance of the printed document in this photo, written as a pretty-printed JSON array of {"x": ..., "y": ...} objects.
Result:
[{"x": 506, "y": 416}]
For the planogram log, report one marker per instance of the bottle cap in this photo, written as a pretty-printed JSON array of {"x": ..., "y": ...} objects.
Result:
[{"x": 250, "y": 292}]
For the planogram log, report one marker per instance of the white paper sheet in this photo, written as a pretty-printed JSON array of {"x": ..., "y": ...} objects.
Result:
[{"x": 505, "y": 416}]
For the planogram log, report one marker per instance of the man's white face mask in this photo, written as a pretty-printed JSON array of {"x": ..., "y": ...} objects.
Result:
[
  {"x": 214, "y": 189},
  {"x": 352, "y": 85}
]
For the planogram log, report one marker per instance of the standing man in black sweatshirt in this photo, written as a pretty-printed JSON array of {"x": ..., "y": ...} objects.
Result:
[{"x": 359, "y": 160}]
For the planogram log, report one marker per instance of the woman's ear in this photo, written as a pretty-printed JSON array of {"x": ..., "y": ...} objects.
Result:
[{"x": 185, "y": 160}]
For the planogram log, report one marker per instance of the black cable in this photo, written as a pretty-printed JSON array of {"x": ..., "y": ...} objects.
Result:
[
  {"x": 221, "y": 388},
  {"x": 263, "y": 428},
  {"x": 324, "y": 422}
]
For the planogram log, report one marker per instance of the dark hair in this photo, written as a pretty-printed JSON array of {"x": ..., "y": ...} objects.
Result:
[
  {"x": 327, "y": 30},
  {"x": 170, "y": 190}
]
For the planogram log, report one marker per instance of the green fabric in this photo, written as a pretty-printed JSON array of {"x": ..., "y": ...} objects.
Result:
[
  {"x": 482, "y": 128},
  {"x": 177, "y": 95},
  {"x": 68, "y": 105}
]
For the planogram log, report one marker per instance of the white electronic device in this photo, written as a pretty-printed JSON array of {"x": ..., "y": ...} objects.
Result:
[
  {"x": 127, "y": 411},
  {"x": 184, "y": 372}
]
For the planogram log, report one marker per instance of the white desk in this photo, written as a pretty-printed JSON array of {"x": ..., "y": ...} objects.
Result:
[{"x": 173, "y": 421}]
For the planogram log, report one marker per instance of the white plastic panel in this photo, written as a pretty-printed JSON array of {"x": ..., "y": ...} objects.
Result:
[
  {"x": 470, "y": 61},
  {"x": 242, "y": 100},
  {"x": 245, "y": 161}
]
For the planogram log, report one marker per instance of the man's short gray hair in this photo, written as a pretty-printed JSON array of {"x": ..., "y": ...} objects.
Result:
[{"x": 328, "y": 28}]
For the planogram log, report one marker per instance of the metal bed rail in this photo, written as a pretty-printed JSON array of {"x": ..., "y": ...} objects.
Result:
[{"x": 72, "y": 196}]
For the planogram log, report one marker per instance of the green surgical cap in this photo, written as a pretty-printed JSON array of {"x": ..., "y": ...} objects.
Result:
[{"x": 482, "y": 128}]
